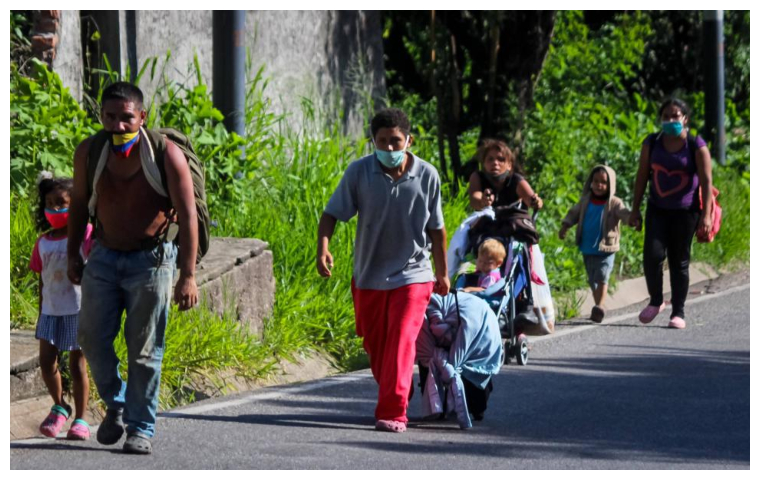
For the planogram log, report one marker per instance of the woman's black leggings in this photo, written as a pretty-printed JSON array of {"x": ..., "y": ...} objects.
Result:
[{"x": 668, "y": 233}]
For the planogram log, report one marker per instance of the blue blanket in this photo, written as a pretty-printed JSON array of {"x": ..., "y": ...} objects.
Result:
[{"x": 453, "y": 347}]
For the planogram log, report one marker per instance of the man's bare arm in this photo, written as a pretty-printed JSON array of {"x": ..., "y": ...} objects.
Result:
[{"x": 180, "y": 184}]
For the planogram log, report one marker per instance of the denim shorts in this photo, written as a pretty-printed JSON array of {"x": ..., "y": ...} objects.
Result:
[{"x": 599, "y": 268}]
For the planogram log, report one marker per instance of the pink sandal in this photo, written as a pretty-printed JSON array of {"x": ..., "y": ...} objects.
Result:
[
  {"x": 79, "y": 430},
  {"x": 52, "y": 425},
  {"x": 390, "y": 426},
  {"x": 650, "y": 312},
  {"x": 677, "y": 322}
]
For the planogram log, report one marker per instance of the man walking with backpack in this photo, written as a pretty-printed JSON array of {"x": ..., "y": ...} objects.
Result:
[{"x": 132, "y": 264}]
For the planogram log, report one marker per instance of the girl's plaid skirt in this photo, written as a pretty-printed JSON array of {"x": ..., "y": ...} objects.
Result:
[{"x": 59, "y": 331}]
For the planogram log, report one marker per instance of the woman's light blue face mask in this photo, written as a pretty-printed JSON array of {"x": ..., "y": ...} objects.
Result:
[
  {"x": 672, "y": 128},
  {"x": 392, "y": 159}
]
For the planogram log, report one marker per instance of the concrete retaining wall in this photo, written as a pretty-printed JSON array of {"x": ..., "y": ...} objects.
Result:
[
  {"x": 333, "y": 58},
  {"x": 236, "y": 276}
]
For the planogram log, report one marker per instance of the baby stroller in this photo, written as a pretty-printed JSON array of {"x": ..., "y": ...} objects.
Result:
[{"x": 510, "y": 298}]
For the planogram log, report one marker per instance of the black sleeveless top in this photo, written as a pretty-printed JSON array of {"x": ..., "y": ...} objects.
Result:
[{"x": 508, "y": 193}]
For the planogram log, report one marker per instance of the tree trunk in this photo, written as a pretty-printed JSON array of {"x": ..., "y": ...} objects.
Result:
[
  {"x": 438, "y": 103},
  {"x": 491, "y": 92},
  {"x": 539, "y": 38},
  {"x": 454, "y": 113}
]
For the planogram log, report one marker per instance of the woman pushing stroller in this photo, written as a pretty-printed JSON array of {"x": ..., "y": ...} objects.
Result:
[{"x": 501, "y": 181}]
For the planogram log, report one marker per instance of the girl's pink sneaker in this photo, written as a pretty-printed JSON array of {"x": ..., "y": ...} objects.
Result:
[
  {"x": 677, "y": 322},
  {"x": 651, "y": 311},
  {"x": 52, "y": 425},
  {"x": 79, "y": 430}
]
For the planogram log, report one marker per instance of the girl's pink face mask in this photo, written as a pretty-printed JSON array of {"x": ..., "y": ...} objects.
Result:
[{"x": 57, "y": 218}]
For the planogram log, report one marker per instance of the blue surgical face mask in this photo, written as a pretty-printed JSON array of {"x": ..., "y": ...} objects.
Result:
[
  {"x": 392, "y": 159},
  {"x": 672, "y": 128}
]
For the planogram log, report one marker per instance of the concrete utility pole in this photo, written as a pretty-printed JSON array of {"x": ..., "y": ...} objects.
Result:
[
  {"x": 229, "y": 68},
  {"x": 715, "y": 129}
]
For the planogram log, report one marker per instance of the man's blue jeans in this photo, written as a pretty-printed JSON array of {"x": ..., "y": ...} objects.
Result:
[{"x": 134, "y": 281}]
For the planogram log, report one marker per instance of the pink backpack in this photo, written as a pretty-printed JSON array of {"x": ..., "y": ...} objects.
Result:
[{"x": 717, "y": 216}]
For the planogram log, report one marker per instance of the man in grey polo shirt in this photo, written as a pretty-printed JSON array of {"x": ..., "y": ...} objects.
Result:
[{"x": 397, "y": 196}]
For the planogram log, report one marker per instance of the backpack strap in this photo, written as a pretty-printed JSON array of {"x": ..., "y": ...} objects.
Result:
[
  {"x": 158, "y": 144},
  {"x": 652, "y": 137},
  {"x": 691, "y": 141},
  {"x": 98, "y": 142}
]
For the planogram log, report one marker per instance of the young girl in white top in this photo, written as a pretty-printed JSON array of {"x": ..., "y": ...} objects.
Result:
[{"x": 59, "y": 307}]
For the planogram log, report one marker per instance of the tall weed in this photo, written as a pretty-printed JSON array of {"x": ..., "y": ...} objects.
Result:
[
  {"x": 24, "y": 282},
  {"x": 203, "y": 354}
]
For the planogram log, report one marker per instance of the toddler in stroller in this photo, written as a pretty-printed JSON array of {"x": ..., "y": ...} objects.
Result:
[
  {"x": 511, "y": 297},
  {"x": 491, "y": 256}
]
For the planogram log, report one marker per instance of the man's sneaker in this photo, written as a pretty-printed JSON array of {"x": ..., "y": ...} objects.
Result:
[
  {"x": 112, "y": 428},
  {"x": 677, "y": 322},
  {"x": 597, "y": 314},
  {"x": 651, "y": 311}
]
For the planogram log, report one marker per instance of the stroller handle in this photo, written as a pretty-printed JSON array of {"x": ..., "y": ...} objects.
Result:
[{"x": 519, "y": 204}]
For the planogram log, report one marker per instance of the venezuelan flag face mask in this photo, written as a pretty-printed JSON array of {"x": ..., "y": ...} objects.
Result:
[{"x": 122, "y": 143}]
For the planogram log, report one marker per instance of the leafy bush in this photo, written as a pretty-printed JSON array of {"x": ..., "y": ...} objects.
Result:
[{"x": 47, "y": 124}]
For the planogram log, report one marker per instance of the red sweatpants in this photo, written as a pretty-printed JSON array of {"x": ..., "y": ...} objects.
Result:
[{"x": 389, "y": 321}]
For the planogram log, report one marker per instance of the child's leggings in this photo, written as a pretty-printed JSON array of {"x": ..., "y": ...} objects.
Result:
[
  {"x": 389, "y": 321},
  {"x": 668, "y": 234}
]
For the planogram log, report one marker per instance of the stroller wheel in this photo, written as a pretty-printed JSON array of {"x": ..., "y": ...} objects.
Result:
[
  {"x": 505, "y": 352},
  {"x": 522, "y": 352}
]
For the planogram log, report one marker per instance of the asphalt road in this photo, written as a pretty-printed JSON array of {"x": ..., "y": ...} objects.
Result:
[{"x": 616, "y": 396}]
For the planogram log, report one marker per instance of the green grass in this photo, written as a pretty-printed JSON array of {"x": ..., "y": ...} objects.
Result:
[{"x": 24, "y": 283}]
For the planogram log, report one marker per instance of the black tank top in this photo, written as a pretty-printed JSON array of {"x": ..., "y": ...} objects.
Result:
[{"x": 508, "y": 193}]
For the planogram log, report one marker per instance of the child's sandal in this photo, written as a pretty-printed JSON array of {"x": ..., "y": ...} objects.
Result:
[
  {"x": 54, "y": 422},
  {"x": 80, "y": 430}
]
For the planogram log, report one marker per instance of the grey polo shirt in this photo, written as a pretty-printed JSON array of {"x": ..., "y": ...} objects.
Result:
[{"x": 392, "y": 248}]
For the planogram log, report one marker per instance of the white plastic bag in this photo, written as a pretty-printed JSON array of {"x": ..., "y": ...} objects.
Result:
[{"x": 543, "y": 305}]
